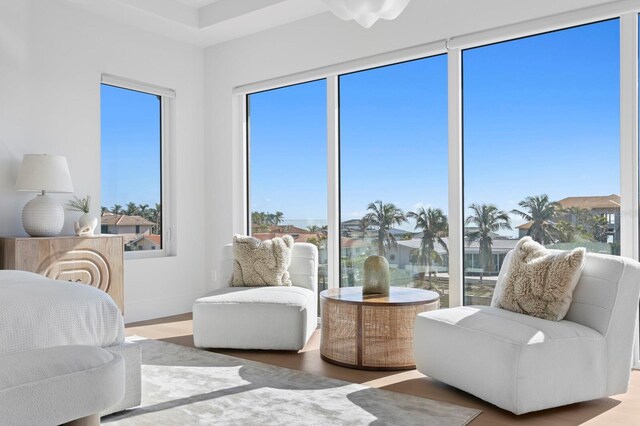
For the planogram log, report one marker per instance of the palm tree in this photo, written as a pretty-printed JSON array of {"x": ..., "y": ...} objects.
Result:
[
  {"x": 104, "y": 210},
  {"x": 257, "y": 218},
  {"x": 278, "y": 217},
  {"x": 364, "y": 224},
  {"x": 599, "y": 226},
  {"x": 157, "y": 218},
  {"x": 434, "y": 226},
  {"x": 116, "y": 209},
  {"x": 384, "y": 216},
  {"x": 132, "y": 209},
  {"x": 578, "y": 215},
  {"x": 143, "y": 209},
  {"x": 540, "y": 212},
  {"x": 314, "y": 228},
  {"x": 567, "y": 231},
  {"x": 488, "y": 219}
]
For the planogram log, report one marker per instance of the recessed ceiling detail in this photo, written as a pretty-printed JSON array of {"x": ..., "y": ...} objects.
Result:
[
  {"x": 204, "y": 22},
  {"x": 197, "y": 4}
]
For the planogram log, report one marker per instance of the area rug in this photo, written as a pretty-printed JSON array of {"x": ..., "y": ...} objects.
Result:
[{"x": 187, "y": 386}]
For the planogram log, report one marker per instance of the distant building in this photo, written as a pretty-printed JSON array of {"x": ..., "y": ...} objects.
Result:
[
  {"x": 407, "y": 249},
  {"x": 607, "y": 206},
  {"x": 146, "y": 242},
  {"x": 132, "y": 228},
  {"x": 299, "y": 235}
]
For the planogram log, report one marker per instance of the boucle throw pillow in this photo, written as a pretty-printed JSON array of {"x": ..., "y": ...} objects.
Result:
[
  {"x": 261, "y": 263},
  {"x": 539, "y": 282}
]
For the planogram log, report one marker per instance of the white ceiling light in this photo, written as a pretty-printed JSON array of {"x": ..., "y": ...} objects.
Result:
[{"x": 366, "y": 12}]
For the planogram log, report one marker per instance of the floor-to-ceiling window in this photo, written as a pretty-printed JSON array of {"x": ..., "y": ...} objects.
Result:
[
  {"x": 541, "y": 122},
  {"x": 393, "y": 173},
  {"x": 287, "y": 165}
]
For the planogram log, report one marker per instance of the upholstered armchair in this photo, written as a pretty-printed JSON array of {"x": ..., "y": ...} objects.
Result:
[
  {"x": 522, "y": 363},
  {"x": 270, "y": 317}
]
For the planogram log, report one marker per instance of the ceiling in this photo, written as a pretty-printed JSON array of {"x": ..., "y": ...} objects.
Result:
[
  {"x": 197, "y": 3},
  {"x": 204, "y": 22}
]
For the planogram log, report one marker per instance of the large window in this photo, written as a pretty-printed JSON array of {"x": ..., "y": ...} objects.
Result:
[
  {"x": 131, "y": 144},
  {"x": 288, "y": 166},
  {"x": 541, "y": 147},
  {"x": 393, "y": 173}
]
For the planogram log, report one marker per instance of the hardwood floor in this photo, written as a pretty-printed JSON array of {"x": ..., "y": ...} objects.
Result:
[{"x": 618, "y": 410}]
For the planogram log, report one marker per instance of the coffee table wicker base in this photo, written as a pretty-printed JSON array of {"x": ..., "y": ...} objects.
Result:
[{"x": 369, "y": 336}]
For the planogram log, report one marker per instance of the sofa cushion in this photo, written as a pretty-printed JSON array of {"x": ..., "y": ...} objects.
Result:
[
  {"x": 538, "y": 282},
  {"x": 517, "y": 362},
  {"x": 260, "y": 263}
]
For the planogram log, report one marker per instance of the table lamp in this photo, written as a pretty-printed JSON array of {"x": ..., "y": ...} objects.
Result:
[{"x": 44, "y": 215}]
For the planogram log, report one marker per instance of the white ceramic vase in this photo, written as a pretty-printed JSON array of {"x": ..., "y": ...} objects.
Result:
[{"x": 86, "y": 224}]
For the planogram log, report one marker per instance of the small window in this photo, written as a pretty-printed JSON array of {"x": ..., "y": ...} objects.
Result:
[{"x": 132, "y": 162}]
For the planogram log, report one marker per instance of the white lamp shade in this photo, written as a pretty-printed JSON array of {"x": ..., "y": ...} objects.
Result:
[
  {"x": 366, "y": 12},
  {"x": 42, "y": 172}
]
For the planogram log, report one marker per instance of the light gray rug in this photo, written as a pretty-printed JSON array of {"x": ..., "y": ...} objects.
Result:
[{"x": 186, "y": 386}]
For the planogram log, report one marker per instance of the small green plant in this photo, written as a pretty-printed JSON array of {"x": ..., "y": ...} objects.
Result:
[{"x": 80, "y": 204}]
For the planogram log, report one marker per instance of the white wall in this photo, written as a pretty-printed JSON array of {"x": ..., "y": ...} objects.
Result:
[
  {"x": 52, "y": 54},
  {"x": 51, "y": 58},
  {"x": 316, "y": 42}
]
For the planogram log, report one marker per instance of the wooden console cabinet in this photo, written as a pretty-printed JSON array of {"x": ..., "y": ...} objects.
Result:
[{"x": 97, "y": 261}]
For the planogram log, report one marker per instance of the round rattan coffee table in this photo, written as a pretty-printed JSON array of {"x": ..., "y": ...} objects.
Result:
[{"x": 373, "y": 332}]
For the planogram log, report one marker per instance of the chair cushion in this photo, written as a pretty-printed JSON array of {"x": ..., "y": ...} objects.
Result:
[
  {"x": 255, "y": 318},
  {"x": 512, "y": 327},
  {"x": 59, "y": 384},
  {"x": 273, "y": 295},
  {"x": 517, "y": 362}
]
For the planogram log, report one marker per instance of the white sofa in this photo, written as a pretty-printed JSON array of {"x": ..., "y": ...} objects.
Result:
[
  {"x": 279, "y": 318},
  {"x": 521, "y": 363}
]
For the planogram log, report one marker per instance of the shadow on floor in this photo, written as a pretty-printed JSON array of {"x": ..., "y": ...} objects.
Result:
[{"x": 579, "y": 413}]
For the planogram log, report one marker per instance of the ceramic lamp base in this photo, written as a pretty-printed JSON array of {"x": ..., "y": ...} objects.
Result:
[{"x": 43, "y": 217}]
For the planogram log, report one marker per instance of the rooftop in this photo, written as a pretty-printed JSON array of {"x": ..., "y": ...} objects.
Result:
[
  {"x": 123, "y": 220},
  {"x": 594, "y": 202}
]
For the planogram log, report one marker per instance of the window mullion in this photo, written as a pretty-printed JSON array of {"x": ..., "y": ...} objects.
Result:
[
  {"x": 456, "y": 208},
  {"x": 629, "y": 135},
  {"x": 629, "y": 145},
  {"x": 333, "y": 183}
]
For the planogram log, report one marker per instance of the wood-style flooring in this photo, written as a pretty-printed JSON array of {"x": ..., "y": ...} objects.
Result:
[{"x": 617, "y": 410}]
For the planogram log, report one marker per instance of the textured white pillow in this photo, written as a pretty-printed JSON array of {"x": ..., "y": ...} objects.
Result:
[
  {"x": 539, "y": 282},
  {"x": 261, "y": 263}
]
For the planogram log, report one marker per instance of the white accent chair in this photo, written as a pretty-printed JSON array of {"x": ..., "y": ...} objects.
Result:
[
  {"x": 271, "y": 317},
  {"x": 522, "y": 363},
  {"x": 59, "y": 384}
]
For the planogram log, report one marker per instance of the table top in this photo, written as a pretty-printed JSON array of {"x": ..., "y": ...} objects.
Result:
[{"x": 397, "y": 296}]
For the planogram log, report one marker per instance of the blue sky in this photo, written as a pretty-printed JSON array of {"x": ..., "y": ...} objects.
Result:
[
  {"x": 393, "y": 137},
  {"x": 288, "y": 152},
  {"x": 541, "y": 115},
  {"x": 130, "y": 144}
]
